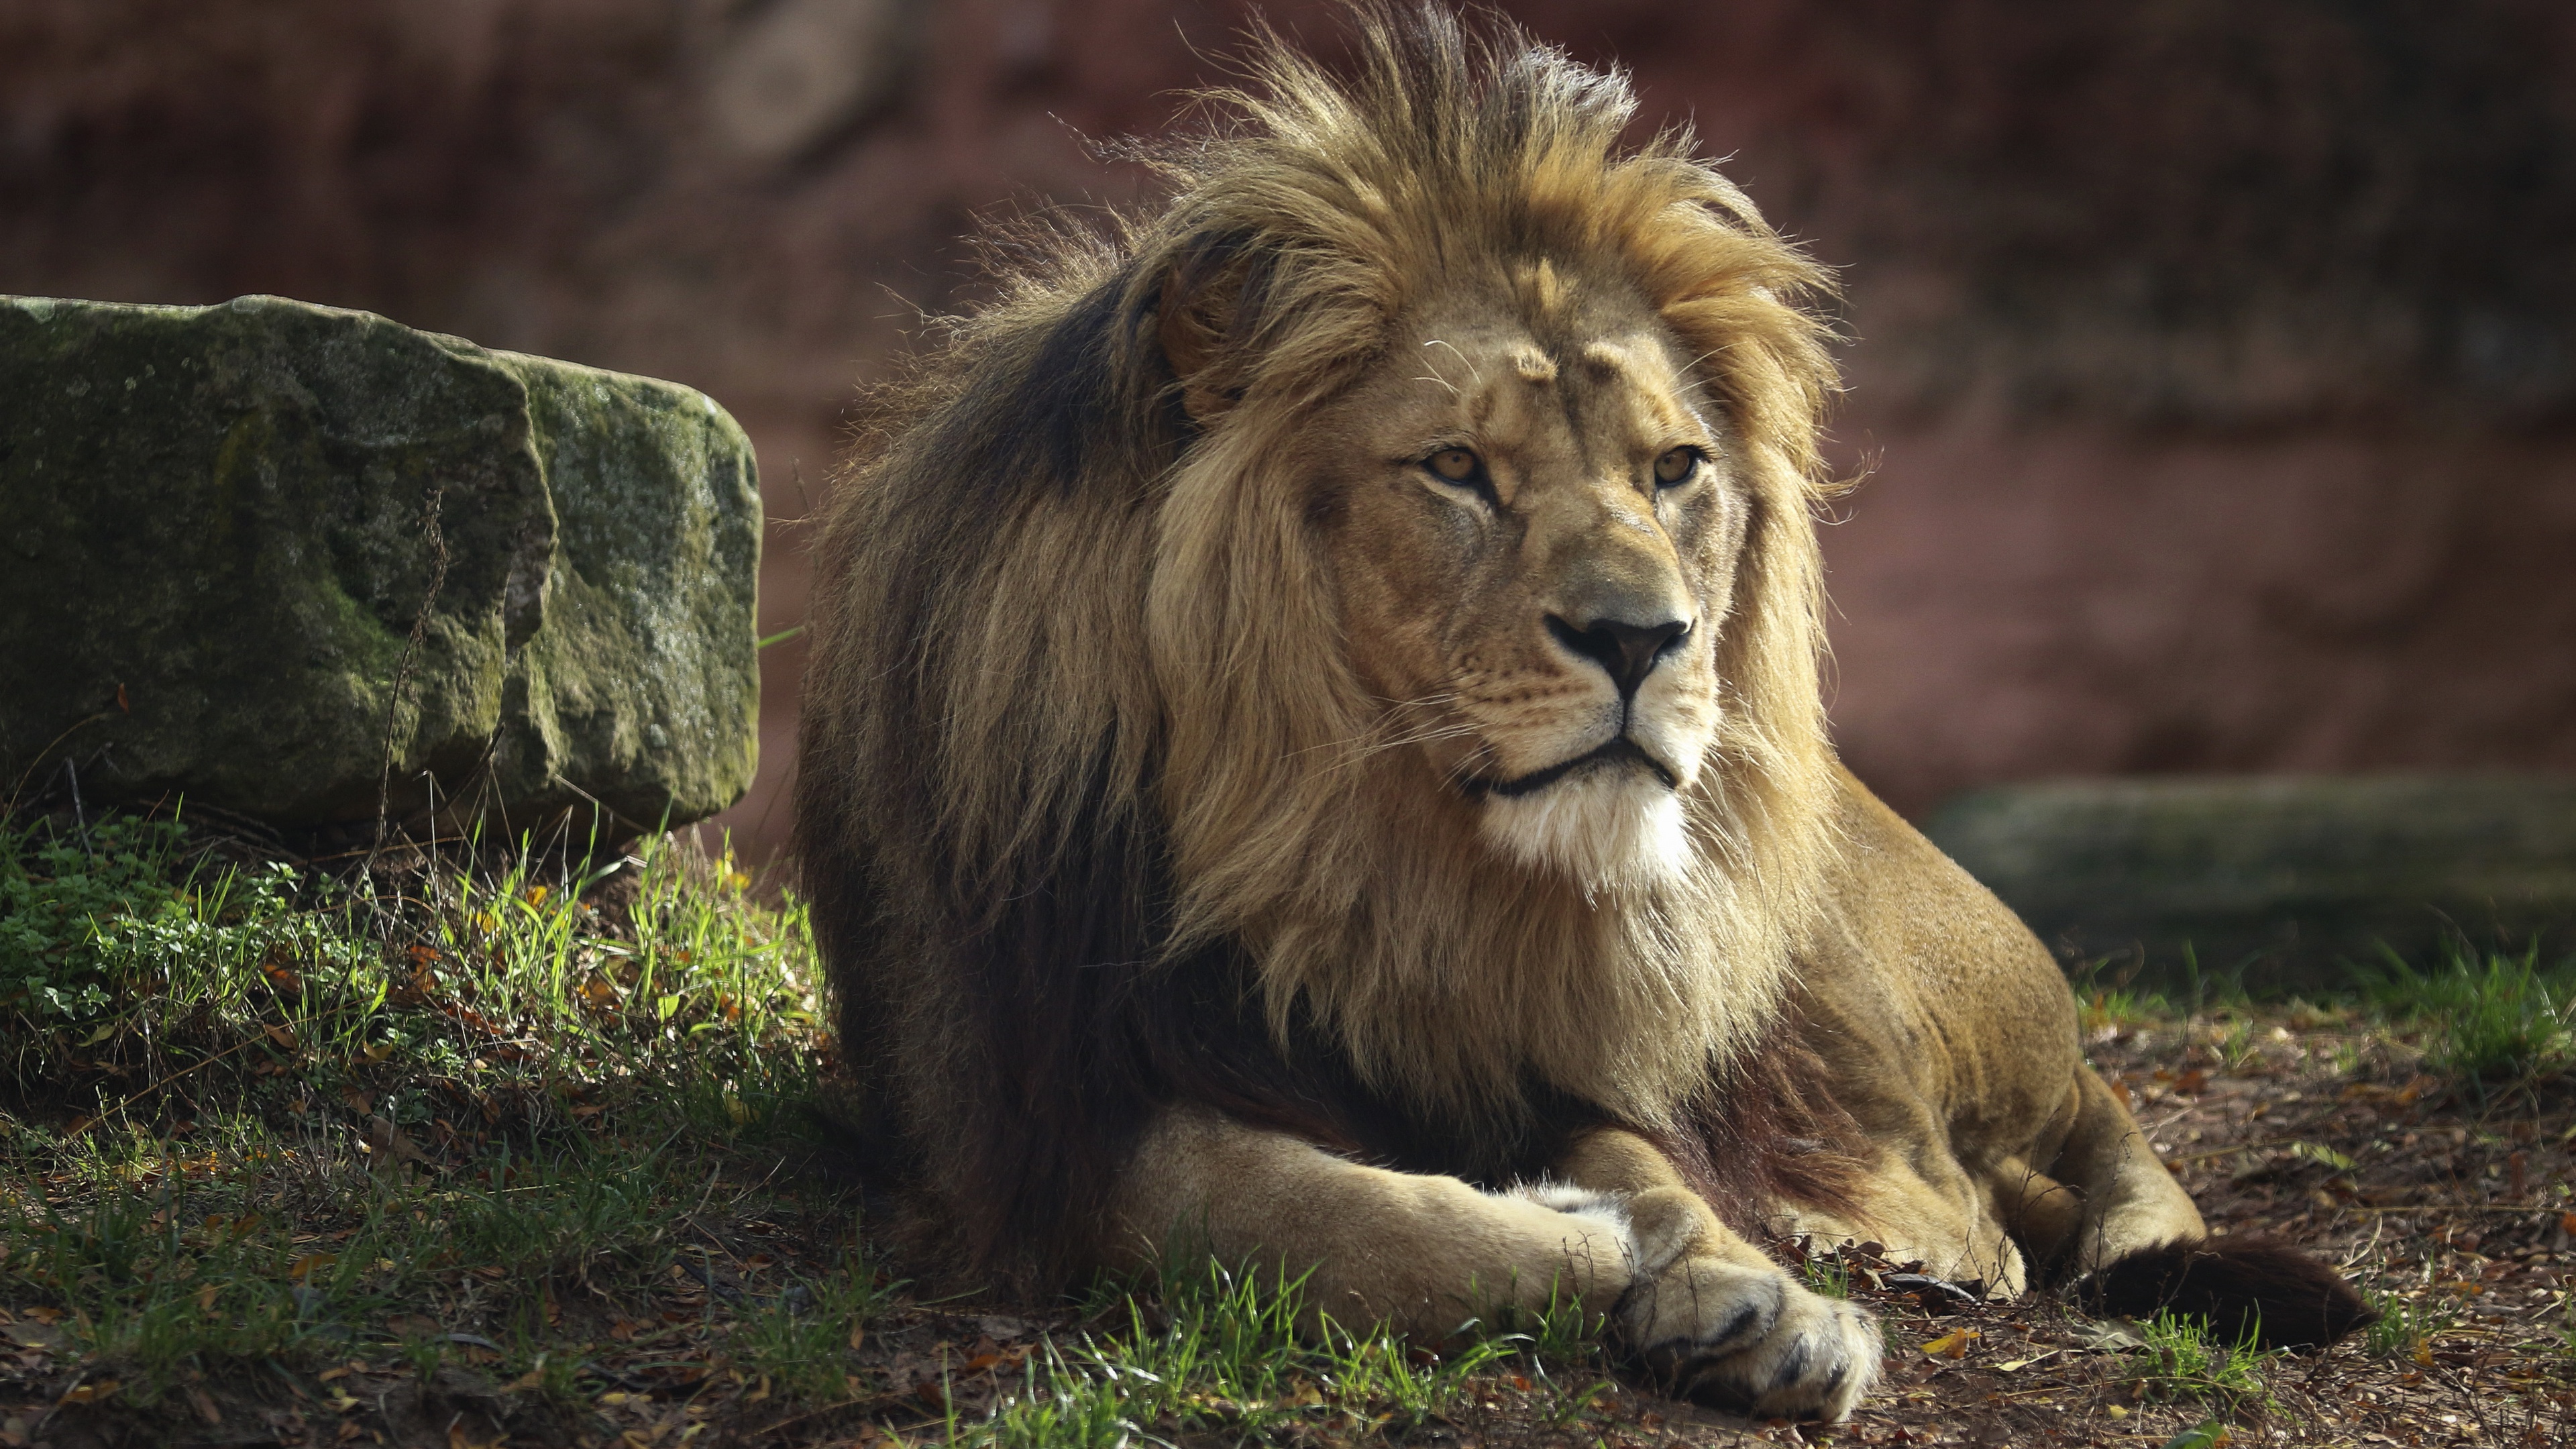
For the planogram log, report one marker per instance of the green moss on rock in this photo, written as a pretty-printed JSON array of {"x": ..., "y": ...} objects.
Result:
[{"x": 280, "y": 557}]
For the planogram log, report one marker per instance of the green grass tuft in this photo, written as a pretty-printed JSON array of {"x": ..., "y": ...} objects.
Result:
[
  {"x": 2182, "y": 1362},
  {"x": 2407, "y": 1323},
  {"x": 800, "y": 1338},
  {"x": 1234, "y": 1352},
  {"x": 2487, "y": 1019}
]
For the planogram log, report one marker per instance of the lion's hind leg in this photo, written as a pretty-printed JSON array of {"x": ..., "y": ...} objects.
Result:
[{"x": 2114, "y": 1229}]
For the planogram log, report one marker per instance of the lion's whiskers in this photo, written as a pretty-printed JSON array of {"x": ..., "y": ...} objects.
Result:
[
  {"x": 1462, "y": 357},
  {"x": 1394, "y": 708},
  {"x": 1377, "y": 740}
]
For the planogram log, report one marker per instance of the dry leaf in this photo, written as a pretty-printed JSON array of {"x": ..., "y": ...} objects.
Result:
[
  {"x": 1953, "y": 1344},
  {"x": 2319, "y": 1152},
  {"x": 91, "y": 1393},
  {"x": 2111, "y": 1335}
]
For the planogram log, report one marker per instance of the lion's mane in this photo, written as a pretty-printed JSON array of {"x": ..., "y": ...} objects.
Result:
[{"x": 1092, "y": 812}]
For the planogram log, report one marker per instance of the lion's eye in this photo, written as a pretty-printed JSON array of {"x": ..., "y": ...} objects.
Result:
[
  {"x": 1676, "y": 467},
  {"x": 1454, "y": 465}
]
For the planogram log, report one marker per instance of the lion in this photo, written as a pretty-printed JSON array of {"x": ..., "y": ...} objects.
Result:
[{"x": 1313, "y": 753}]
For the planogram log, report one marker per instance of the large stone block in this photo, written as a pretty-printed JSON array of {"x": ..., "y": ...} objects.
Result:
[
  {"x": 2281, "y": 883},
  {"x": 288, "y": 560}
]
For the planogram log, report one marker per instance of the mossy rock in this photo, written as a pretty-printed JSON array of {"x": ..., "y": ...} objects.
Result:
[
  {"x": 289, "y": 561},
  {"x": 2281, "y": 884}
]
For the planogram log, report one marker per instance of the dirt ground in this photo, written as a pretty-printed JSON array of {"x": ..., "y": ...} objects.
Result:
[{"x": 2453, "y": 1210}]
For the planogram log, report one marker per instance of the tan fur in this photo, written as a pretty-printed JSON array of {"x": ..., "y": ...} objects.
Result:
[{"x": 1231, "y": 623}]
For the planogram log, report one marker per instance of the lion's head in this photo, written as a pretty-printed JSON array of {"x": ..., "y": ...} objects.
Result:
[
  {"x": 1531, "y": 511},
  {"x": 1388, "y": 566}
]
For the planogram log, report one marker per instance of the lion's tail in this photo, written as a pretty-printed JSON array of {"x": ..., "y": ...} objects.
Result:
[
  {"x": 2251, "y": 1287},
  {"x": 2127, "y": 1241}
]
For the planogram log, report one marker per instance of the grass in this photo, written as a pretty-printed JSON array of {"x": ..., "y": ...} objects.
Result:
[
  {"x": 2489, "y": 1018},
  {"x": 1825, "y": 1275},
  {"x": 2182, "y": 1362},
  {"x": 801, "y": 1338},
  {"x": 2407, "y": 1324},
  {"x": 1225, "y": 1353},
  {"x": 264, "y": 1128},
  {"x": 2104, "y": 1007},
  {"x": 532, "y": 1132},
  {"x": 256, "y": 1118},
  {"x": 2484, "y": 1019}
]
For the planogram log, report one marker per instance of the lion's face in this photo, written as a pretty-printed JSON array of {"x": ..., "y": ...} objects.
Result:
[{"x": 1534, "y": 520}]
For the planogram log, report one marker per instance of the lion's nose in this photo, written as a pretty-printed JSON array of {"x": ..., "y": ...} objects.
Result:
[{"x": 1627, "y": 650}]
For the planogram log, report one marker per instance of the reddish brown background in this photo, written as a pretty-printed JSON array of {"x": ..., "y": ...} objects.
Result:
[{"x": 2214, "y": 364}]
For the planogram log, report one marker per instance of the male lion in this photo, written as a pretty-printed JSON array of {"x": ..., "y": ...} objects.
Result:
[{"x": 1313, "y": 746}]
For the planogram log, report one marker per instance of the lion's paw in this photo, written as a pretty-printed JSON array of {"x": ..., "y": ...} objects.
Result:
[{"x": 1752, "y": 1340}]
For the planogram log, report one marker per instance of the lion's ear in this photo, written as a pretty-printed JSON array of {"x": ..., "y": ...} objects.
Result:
[{"x": 1193, "y": 319}]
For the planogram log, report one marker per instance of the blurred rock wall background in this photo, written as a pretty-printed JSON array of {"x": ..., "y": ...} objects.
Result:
[{"x": 2213, "y": 365}]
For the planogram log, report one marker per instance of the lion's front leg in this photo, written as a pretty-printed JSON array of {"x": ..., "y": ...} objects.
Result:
[
  {"x": 1421, "y": 1253},
  {"x": 1710, "y": 1313}
]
